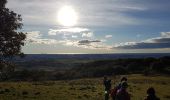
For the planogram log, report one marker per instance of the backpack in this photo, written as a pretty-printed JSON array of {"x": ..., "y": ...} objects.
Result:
[
  {"x": 122, "y": 95},
  {"x": 113, "y": 93}
]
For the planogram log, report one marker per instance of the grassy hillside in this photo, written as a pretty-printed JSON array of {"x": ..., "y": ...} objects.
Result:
[{"x": 82, "y": 89}]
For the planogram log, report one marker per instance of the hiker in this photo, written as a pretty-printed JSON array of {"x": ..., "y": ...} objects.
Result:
[
  {"x": 107, "y": 85},
  {"x": 123, "y": 79},
  {"x": 113, "y": 92},
  {"x": 122, "y": 94},
  {"x": 151, "y": 94}
]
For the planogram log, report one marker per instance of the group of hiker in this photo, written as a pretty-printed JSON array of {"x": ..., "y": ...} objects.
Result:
[{"x": 119, "y": 92}]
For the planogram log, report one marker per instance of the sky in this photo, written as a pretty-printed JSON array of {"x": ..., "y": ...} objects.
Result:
[{"x": 102, "y": 26}]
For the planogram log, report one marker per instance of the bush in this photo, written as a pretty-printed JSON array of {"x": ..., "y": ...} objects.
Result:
[
  {"x": 24, "y": 93},
  {"x": 6, "y": 70},
  {"x": 157, "y": 66}
]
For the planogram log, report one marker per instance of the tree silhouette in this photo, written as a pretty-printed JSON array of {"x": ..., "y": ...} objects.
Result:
[
  {"x": 2, "y": 3},
  {"x": 11, "y": 40}
]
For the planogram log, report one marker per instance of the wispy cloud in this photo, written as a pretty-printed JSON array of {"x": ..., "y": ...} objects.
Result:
[
  {"x": 138, "y": 35},
  {"x": 67, "y": 31},
  {"x": 99, "y": 46},
  {"x": 96, "y": 12},
  {"x": 165, "y": 34},
  {"x": 32, "y": 35},
  {"x": 153, "y": 43},
  {"x": 93, "y": 44},
  {"x": 36, "y": 37},
  {"x": 87, "y": 34},
  {"x": 74, "y": 36},
  {"x": 108, "y": 36},
  {"x": 85, "y": 42}
]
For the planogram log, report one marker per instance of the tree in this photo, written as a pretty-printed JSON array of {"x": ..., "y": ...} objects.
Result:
[
  {"x": 11, "y": 40},
  {"x": 2, "y": 3},
  {"x": 6, "y": 70},
  {"x": 158, "y": 66}
]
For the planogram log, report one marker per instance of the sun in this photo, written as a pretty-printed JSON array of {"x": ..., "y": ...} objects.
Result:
[{"x": 67, "y": 16}]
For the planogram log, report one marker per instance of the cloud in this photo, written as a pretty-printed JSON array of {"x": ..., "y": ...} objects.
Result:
[
  {"x": 67, "y": 42},
  {"x": 36, "y": 37},
  {"x": 67, "y": 30},
  {"x": 165, "y": 34},
  {"x": 96, "y": 46},
  {"x": 143, "y": 45},
  {"x": 31, "y": 36},
  {"x": 158, "y": 40},
  {"x": 76, "y": 32},
  {"x": 108, "y": 36},
  {"x": 74, "y": 36},
  {"x": 87, "y": 34},
  {"x": 96, "y": 12},
  {"x": 138, "y": 35},
  {"x": 153, "y": 43},
  {"x": 52, "y": 32},
  {"x": 85, "y": 42},
  {"x": 93, "y": 44}
]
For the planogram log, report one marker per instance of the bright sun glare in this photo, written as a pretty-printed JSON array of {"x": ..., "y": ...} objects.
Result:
[{"x": 67, "y": 16}]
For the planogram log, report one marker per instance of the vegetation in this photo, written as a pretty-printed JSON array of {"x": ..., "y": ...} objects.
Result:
[
  {"x": 74, "y": 79},
  {"x": 82, "y": 89},
  {"x": 70, "y": 69},
  {"x": 10, "y": 39}
]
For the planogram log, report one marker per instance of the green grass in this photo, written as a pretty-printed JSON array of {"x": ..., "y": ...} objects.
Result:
[{"x": 82, "y": 89}]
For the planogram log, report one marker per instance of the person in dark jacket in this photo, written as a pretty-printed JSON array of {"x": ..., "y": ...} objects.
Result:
[
  {"x": 123, "y": 79},
  {"x": 117, "y": 87},
  {"x": 151, "y": 94},
  {"x": 107, "y": 85},
  {"x": 122, "y": 94}
]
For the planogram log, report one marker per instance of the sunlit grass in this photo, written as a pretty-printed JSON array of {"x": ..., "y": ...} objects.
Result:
[{"x": 82, "y": 89}]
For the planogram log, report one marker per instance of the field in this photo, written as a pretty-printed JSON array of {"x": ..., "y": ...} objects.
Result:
[{"x": 82, "y": 89}]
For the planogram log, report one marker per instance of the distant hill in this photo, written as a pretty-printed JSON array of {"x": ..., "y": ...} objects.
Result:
[
  {"x": 68, "y": 61},
  {"x": 30, "y": 57}
]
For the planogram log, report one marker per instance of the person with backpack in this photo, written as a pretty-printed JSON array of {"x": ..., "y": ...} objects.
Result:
[
  {"x": 151, "y": 94},
  {"x": 113, "y": 92},
  {"x": 107, "y": 85},
  {"x": 122, "y": 94}
]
